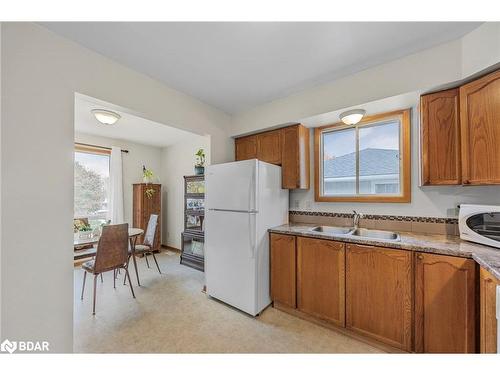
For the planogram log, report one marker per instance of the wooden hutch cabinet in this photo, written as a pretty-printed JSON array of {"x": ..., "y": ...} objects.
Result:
[
  {"x": 192, "y": 252},
  {"x": 146, "y": 202}
]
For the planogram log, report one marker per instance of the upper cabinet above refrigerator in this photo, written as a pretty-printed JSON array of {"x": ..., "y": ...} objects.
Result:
[{"x": 288, "y": 147}]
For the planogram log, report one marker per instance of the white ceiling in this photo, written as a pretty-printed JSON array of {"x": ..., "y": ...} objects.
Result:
[
  {"x": 129, "y": 128},
  {"x": 237, "y": 66}
]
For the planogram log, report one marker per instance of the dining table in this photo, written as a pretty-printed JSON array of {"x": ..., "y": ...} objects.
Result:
[{"x": 89, "y": 252}]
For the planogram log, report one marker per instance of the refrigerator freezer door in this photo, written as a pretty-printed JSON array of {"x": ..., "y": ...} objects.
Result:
[
  {"x": 232, "y": 186},
  {"x": 230, "y": 259}
]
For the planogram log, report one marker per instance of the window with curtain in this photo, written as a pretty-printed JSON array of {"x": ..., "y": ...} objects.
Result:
[
  {"x": 366, "y": 162},
  {"x": 91, "y": 184}
]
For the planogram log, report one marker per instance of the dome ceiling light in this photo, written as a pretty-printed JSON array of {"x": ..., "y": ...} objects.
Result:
[
  {"x": 105, "y": 117},
  {"x": 352, "y": 117}
]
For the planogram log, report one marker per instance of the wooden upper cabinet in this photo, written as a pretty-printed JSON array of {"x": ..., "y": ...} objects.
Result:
[
  {"x": 269, "y": 147},
  {"x": 444, "y": 304},
  {"x": 288, "y": 147},
  {"x": 245, "y": 148},
  {"x": 440, "y": 138},
  {"x": 480, "y": 127},
  {"x": 321, "y": 279},
  {"x": 283, "y": 269},
  {"x": 487, "y": 318},
  {"x": 295, "y": 157},
  {"x": 379, "y": 294}
]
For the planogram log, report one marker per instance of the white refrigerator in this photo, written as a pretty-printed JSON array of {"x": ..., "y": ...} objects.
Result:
[{"x": 242, "y": 201}]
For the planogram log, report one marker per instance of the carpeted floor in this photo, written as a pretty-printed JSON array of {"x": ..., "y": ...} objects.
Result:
[{"x": 172, "y": 315}]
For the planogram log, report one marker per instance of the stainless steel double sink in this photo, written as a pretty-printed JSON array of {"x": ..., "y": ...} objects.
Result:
[{"x": 358, "y": 232}]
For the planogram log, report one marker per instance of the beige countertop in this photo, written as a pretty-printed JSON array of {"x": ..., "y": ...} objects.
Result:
[{"x": 488, "y": 257}]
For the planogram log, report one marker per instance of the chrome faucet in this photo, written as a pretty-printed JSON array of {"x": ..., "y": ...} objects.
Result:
[{"x": 355, "y": 219}]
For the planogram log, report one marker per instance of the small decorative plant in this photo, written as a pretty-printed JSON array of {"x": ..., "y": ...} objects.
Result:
[
  {"x": 147, "y": 175},
  {"x": 199, "y": 167},
  {"x": 80, "y": 226}
]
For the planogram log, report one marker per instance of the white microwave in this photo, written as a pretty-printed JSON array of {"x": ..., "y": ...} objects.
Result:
[{"x": 480, "y": 223}]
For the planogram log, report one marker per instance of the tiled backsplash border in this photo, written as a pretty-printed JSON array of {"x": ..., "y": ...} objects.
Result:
[{"x": 418, "y": 219}]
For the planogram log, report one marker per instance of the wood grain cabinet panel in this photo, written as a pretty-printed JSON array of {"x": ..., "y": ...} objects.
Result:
[
  {"x": 444, "y": 304},
  {"x": 487, "y": 318},
  {"x": 379, "y": 294},
  {"x": 440, "y": 138},
  {"x": 143, "y": 207},
  {"x": 295, "y": 157},
  {"x": 288, "y": 147},
  {"x": 269, "y": 147},
  {"x": 245, "y": 148},
  {"x": 480, "y": 128},
  {"x": 321, "y": 279},
  {"x": 283, "y": 269}
]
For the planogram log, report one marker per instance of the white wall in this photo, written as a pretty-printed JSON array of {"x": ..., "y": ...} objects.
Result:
[
  {"x": 41, "y": 72},
  {"x": 177, "y": 161},
  {"x": 132, "y": 162},
  {"x": 425, "y": 201},
  {"x": 427, "y": 69}
]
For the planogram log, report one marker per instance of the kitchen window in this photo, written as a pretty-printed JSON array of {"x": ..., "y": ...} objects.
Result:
[
  {"x": 366, "y": 162},
  {"x": 91, "y": 184}
]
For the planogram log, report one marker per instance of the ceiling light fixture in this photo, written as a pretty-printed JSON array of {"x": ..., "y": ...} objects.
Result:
[
  {"x": 352, "y": 117},
  {"x": 105, "y": 117}
]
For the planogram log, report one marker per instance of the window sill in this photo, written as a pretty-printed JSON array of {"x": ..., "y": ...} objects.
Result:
[{"x": 365, "y": 198}]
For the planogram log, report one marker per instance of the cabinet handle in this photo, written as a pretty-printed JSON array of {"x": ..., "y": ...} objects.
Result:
[
  {"x": 466, "y": 182},
  {"x": 420, "y": 256},
  {"x": 488, "y": 280}
]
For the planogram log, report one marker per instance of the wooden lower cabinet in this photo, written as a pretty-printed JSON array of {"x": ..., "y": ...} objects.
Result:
[
  {"x": 412, "y": 301},
  {"x": 283, "y": 269},
  {"x": 379, "y": 294},
  {"x": 445, "y": 289},
  {"x": 487, "y": 308},
  {"x": 321, "y": 279}
]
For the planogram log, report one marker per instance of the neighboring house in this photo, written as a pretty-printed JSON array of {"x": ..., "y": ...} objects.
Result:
[{"x": 378, "y": 173}]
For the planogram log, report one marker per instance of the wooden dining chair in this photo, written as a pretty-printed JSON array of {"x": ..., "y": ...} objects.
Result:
[
  {"x": 111, "y": 255},
  {"x": 146, "y": 248}
]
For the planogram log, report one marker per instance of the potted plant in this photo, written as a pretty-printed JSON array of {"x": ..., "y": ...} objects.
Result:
[
  {"x": 85, "y": 231},
  {"x": 147, "y": 175},
  {"x": 199, "y": 167}
]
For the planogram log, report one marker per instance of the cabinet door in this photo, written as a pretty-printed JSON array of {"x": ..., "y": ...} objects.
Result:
[
  {"x": 269, "y": 147},
  {"x": 321, "y": 279},
  {"x": 283, "y": 269},
  {"x": 488, "y": 319},
  {"x": 444, "y": 304},
  {"x": 480, "y": 123},
  {"x": 295, "y": 157},
  {"x": 379, "y": 294},
  {"x": 440, "y": 136},
  {"x": 245, "y": 148}
]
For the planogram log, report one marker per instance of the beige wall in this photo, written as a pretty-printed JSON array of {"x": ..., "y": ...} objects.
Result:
[
  {"x": 41, "y": 72},
  {"x": 132, "y": 163},
  {"x": 177, "y": 161}
]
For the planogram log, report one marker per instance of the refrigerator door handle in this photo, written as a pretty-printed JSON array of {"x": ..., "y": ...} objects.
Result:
[
  {"x": 252, "y": 234},
  {"x": 251, "y": 196}
]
